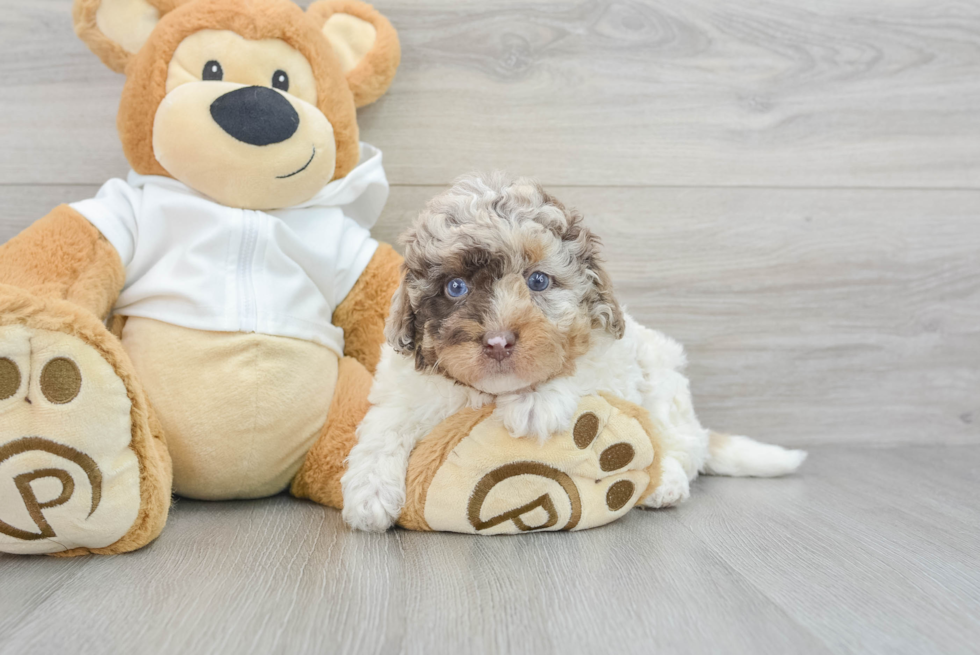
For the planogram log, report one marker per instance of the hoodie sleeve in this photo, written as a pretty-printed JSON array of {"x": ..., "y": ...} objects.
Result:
[{"x": 113, "y": 211}]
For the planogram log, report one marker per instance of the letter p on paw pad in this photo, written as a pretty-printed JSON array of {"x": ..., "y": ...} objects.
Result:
[{"x": 68, "y": 478}]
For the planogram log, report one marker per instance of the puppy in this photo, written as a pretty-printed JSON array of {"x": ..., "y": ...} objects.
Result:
[{"x": 505, "y": 301}]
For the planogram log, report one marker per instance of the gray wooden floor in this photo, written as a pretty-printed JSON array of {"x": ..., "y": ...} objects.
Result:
[
  {"x": 793, "y": 192},
  {"x": 872, "y": 549}
]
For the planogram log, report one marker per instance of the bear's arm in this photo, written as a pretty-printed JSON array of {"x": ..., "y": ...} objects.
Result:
[
  {"x": 64, "y": 256},
  {"x": 363, "y": 312}
]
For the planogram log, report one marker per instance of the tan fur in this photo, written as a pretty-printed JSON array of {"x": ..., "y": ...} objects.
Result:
[
  {"x": 63, "y": 256},
  {"x": 116, "y": 325},
  {"x": 200, "y": 153},
  {"x": 22, "y": 308},
  {"x": 542, "y": 353},
  {"x": 111, "y": 53},
  {"x": 576, "y": 341},
  {"x": 363, "y": 312},
  {"x": 463, "y": 362},
  {"x": 319, "y": 476},
  {"x": 541, "y": 348},
  {"x": 146, "y": 74},
  {"x": 62, "y": 275},
  {"x": 217, "y": 392},
  {"x": 373, "y": 74},
  {"x": 264, "y": 19},
  {"x": 429, "y": 456},
  {"x": 494, "y": 232}
]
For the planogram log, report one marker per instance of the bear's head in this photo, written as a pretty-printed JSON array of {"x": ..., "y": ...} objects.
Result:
[{"x": 250, "y": 102}]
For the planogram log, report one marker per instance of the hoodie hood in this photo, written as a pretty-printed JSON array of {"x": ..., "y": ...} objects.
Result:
[{"x": 361, "y": 194}]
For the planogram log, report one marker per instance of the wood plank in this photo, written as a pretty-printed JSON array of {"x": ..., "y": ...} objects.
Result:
[
  {"x": 857, "y": 561},
  {"x": 829, "y": 560},
  {"x": 281, "y": 575},
  {"x": 810, "y": 316},
  {"x": 614, "y": 92}
]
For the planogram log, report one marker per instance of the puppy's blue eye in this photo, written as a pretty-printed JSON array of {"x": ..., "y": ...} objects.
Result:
[
  {"x": 457, "y": 287},
  {"x": 538, "y": 281}
]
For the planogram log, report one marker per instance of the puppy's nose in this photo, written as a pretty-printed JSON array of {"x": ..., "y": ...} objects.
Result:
[
  {"x": 499, "y": 345},
  {"x": 256, "y": 115}
]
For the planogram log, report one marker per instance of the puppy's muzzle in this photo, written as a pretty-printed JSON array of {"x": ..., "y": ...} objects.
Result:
[{"x": 499, "y": 345}]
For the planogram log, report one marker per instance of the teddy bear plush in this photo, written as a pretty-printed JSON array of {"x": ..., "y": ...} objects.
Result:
[{"x": 209, "y": 325}]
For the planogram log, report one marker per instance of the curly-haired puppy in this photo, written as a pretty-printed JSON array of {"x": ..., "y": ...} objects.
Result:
[{"x": 505, "y": 301}]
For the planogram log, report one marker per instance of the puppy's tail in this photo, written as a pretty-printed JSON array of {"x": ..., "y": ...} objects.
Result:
[{"x": 744, "y": 457}]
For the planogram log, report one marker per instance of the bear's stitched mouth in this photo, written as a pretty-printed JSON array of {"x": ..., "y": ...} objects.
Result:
[{"x": 297, "y": 172}]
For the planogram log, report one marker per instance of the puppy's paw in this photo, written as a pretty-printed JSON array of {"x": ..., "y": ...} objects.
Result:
[
  {"x": 674, "y": 486},
  {"x": 536, "y": 414},
  {"x": 371, "y": 507},
  {"x": 372, "y": 500},
  {"x": 369, "y": 515}
]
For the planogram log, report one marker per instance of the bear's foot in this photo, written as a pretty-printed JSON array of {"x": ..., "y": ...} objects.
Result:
[
  {"x": 70, "y": 479},
  {"x": 471, "y": 476}
]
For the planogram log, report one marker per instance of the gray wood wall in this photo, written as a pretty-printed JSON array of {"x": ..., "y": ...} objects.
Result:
[{"x": 793, "y": 192}]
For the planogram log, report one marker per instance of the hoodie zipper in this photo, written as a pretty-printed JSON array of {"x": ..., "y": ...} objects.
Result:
[{"x": 247, "y": 309}]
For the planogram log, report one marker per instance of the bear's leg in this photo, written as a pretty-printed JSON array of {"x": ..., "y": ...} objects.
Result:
[
  {"x": 470, "y": 475},
  {"x": 319, "y": 477},
  {"x": 83, "y": 464}
]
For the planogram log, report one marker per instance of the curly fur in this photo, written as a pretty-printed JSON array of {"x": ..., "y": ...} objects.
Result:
[{"x": 572, "y": 340}]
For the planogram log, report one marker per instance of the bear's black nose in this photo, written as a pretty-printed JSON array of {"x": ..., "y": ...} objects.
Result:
[{"x": 256, "y": 115}]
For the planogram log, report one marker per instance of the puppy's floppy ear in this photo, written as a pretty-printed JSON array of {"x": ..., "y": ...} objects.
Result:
[
  {"x": 365, "y": 43},
  {"x": 601, "y": 300},
  {"x": 400, "y": 327},
  {"x": 115, "y": 30},
  {"x": 603, "y": 305}
]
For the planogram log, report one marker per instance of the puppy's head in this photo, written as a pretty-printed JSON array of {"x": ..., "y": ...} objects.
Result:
[{"x": 502, "y": 287}]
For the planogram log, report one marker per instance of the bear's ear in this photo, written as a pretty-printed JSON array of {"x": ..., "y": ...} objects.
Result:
[
  {"x": 115, "y": 30},
  {"x": 365, "y": 43}
]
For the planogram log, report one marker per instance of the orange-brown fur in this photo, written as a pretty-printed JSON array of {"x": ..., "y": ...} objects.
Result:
[
  {"x": 542, "y": 352},
  {"x": 319, "y": 477},
  {"x": 363, "y": 312},
  {"x": 493, "y": 234},
  {"x": 545, "y": 352},
  {"x": 465, "y": 360},
  {"x": 62, "y": 275},
  {"x": 146, "y": 73},
  {"x": 63, "y": 256},
  {"x": 372, "y": 76}
]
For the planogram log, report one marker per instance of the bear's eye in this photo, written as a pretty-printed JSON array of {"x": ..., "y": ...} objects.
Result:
[
  {"x": 538, "y": 281},
  {"x": 212, "y": 72},
  {"x": 280, "y": 81}
]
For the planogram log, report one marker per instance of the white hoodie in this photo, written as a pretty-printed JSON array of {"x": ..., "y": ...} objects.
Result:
[{"x": 196, "y": 263}]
